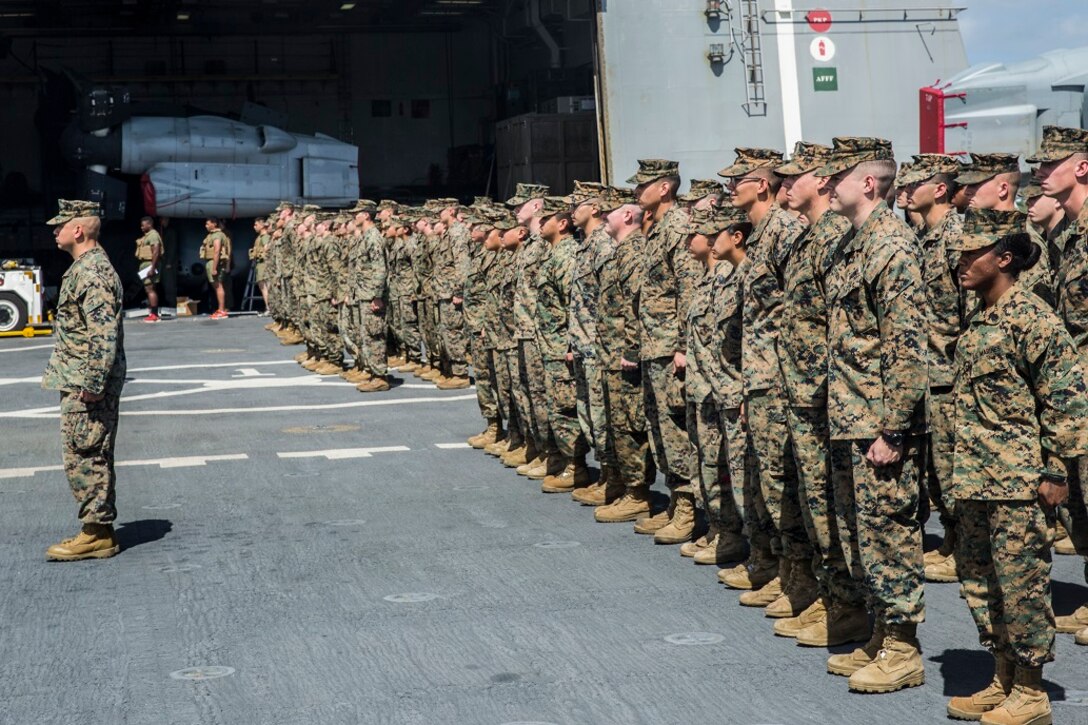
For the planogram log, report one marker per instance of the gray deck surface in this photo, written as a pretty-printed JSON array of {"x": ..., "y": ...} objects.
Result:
[{"x": 284, "y": 568}]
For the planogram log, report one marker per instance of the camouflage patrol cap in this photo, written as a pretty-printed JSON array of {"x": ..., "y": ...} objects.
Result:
[
  {"x": 483, "y": 201},
  {"x": 618, "y": 196},
  {"x": 806, "y": 157},
  {"x": 440, "y": 204},
  {"x": 503, "y": 219},
  {"x": 984, "y": 227},
  {"x": 311, "y": 208},
  {"x": 285, "y": 205},
  {"x": 528, "y": 192},
  {"x": 700, "y": 189},
  {"x": 388, "y": 204},
  {"x": 987, "y": 166},
  {"x": 554, "y": 205},
  {"x": 586, "y": 191},
  {"x": 1031, "y": 190},
  {"x": 904, "y": 175},
  {"x": 1059, "y": 143},
  {"x": 364, "y": 205},
  {"x": 849, "y": 151},
  {"x": 748, "y": 160},
  {"x": 67, "y": 210},
  {"x": 344, "y": 218},
  {"x": 710, "y": 222},
  {"x": 925, "y": 166},
  {"x": 654, "y": 169}
]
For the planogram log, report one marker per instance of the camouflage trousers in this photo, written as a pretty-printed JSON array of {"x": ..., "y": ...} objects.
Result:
[
  {"x": 503, "y": 361},
  {"x": 428, "y": 327},
  {"x": 1074, "y": 512},
  {"x": 328, "y": 332},
  {"x": 451, "y": 328},
  {"x": 666, "y": 417},
  {"x": 1003, "y": 559},
  {"x": 348, "y": 324},
  {"x": 372, "y": 356},
  {"x": 532, "y": 393},
  {"x": 405, "y": 325},
  {"x": 625, "y": 427},
  {"x": 562, "y": 405},
  {"x": 88, "y": 434},
  {"x": 735, "y": 438},
  {"x": 589, "y": 387},
  {"x": 519, "y": 403},
  {"x": 773, "y": 465},
  {"x": 939, "y": 459},
  {"x": 706, "y": 433},
  {"x": 880, "y": 527},
  {"x": 811, "y": 439},
  {"x": 483, "y": 365}
]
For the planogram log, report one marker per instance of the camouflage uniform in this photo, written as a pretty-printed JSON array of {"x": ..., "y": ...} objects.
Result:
[
  {"x": 669, "y": 277},
  {"x": 705, "y": 342},
  {"x": 258, "y": 254},
  {"x": 802, "y": 357},
  {"x": 480, "y": 266},
  {"x": 500, "y": 339},
  {"x": 367, "y": 286},
  {"x": 582, "y": 323},
  {"x": 404, "y": 294},
  {"x": 423, "y": 264},
  {"x": 530, "y": 383},
  {"x": 449, "y": 282},
  {"x": 1071, "y": 293},
  {"x": 1021, "y": 407},
  {"x": 88, "y": 355},
  {"x": 877, "y": 378},
  {"x": 552, "y": 297},
  {"x": 619, "y": 269}
]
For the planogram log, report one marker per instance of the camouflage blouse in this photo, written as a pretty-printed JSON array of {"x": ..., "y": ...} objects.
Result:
[{"x": 1021, "y": 400}]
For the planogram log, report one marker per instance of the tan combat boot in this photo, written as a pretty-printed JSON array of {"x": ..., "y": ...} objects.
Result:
[
  {"x": 652, "y": 524},
  {"x": 529, "y": 467},
  {"x": 754, "y": 574},
  {"x": 816, "y": 613},
  {"x": 898, "y": 664},
  {"x": 629, "y": 507},
  {"x": 374, "y": 385},
  {"x": 432, "y": 375},
  {"x": 724, "y": 548},
  {"x": 574, "y": 473},
  {"x": 681, "y": 524},
  {"x": 456, "y": 382},
  {"x": 310, "y": 363},
  {"x": 847, "y": 664},
  {"x": 690, "y": 548},
  {"x": 329, "y": 368},
  {"x": 1081, "y": 637},
  {"x": 302, "y": 356},
  {"x": 973, "y": 707},
  {"x": 488, "y": 436},
  {"x": 409, "y": 367},
  {"x": 502, "y": 446},
  {"x": 842, "y": 625},
  {"x": 1027, "y": 704},
  {"x": 763, "y": 596},
  {"x": 516, "y": 457},
  {"x": 610, "y": 492},
  {"x": 1062, "y": 543},
  {"x": 394, "y": 360},
  {"x": 553, "y": 465},
  {"x": 1072, "y": 623},
  {"x": 797, "y": 594},
  {"x": 593, "y": 494},
  {"x": 943, "y": 571},
  {"x": 94, "y": 541}
]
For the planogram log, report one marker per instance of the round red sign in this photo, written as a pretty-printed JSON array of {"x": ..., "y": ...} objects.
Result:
[{"x": 819, "y": 20}]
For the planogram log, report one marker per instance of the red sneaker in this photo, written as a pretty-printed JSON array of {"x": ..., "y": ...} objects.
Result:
[
  {"x": 152, "y": 317},
  {"x": 219, "y": 315}
]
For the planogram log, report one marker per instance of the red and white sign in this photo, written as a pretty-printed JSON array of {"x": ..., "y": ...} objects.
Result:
[
  {"x": 819, "y": 20},
  {"x": 822, "y": 48}
]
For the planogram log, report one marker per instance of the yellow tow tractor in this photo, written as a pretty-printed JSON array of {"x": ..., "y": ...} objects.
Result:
[{"x": 22, "y": 306}]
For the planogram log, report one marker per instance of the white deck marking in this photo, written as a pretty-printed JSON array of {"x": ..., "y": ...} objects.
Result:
[
  {"x": 340, "y": 454},
  {"x": 25, "y": 472},
  {"x": 29, "y": 347},
  {"x": 451, "y": 446},
  {"x": 251, "y": 373},
  {"x": 185, "y": 461},
  {"x": 212, "y": 365}
]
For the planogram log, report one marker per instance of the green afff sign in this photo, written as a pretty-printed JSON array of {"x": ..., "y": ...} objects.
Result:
[{"x": 825, "y": 79}]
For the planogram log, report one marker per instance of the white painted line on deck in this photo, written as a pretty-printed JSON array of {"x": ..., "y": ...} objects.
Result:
[
  {"x": 29, "y": 347},
  {"x": 185, "y": 461},
  {"x": 451, "y": 446},
  {"x": 340, "y": 454},
  {"x": 251, "y": 373},
  {"x": 212, "y": 365},
  {"x": 26, "y": 472}
]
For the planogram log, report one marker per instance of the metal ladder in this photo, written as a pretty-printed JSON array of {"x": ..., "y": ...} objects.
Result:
[
  {"x": 752, "y": 47},
  {"x": 252, "y": 291}
]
